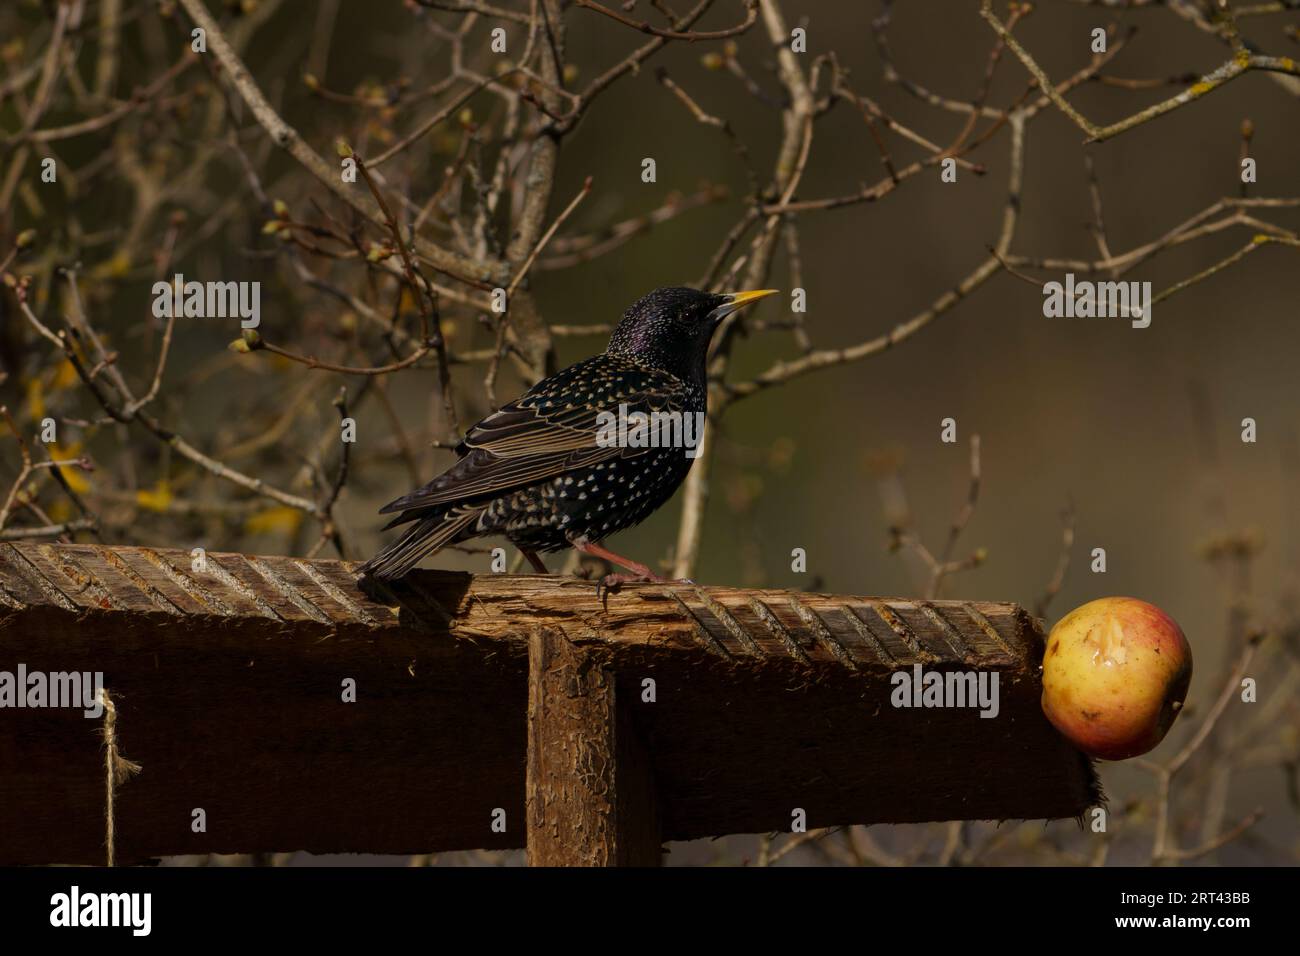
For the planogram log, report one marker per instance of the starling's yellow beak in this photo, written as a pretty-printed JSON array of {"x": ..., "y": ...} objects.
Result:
[
  {"x": 735, "y": 300},
  {"x": 744, "y": 298}
]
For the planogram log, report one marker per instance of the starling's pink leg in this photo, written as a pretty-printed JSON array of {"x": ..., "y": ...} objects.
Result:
[
  {"x": 534, "y": 560},
  {"x": 611, "y": 582}
]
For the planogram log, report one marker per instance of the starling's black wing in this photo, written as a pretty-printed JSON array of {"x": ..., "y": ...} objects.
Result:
[
  {"x": 430, "y": 532},
  {"x": 548, "y": 431}
]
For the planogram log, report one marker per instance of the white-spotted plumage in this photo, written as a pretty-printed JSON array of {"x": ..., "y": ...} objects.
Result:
[{"x": 535, "y": 471}]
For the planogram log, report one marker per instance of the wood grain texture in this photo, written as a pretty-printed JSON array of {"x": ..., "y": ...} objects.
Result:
[
  {"x": 589, "y": 798},
  {"x": 228, "y": 689}
]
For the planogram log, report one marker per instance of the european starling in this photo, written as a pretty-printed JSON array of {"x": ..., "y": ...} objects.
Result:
[{"x": 573, "y": 461}]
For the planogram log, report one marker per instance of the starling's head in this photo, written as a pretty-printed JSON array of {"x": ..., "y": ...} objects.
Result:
[{"x": 670, "y": 328}]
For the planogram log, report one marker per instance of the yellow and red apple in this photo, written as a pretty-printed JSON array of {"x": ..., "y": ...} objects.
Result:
[{"x": 1115, "y": 674}]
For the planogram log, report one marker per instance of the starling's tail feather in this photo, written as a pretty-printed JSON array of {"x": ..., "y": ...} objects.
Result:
[{"x": 424, "y": 537}]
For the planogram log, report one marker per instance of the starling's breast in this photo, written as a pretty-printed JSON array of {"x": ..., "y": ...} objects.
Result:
[
  {"x": 639, "y": 475},
  {"x": 594, "y": 502}
]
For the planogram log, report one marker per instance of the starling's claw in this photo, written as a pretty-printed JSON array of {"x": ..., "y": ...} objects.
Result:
[{"x": 613, "y": 582}]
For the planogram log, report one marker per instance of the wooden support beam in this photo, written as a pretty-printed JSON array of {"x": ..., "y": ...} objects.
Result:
[
  {"x": 590, "y": 799},
  {"x": 229, "y": 686}
]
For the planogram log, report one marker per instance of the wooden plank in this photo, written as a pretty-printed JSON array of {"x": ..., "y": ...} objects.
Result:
[
  {"x": 229, "y": 690},
  {"x": 590, "y": 797}
]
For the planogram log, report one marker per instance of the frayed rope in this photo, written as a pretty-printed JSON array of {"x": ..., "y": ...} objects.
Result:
[{"x": 117, "y": 770}]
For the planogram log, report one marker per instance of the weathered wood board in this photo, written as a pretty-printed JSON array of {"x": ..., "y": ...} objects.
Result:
[{"x": 228, "y": 684}]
